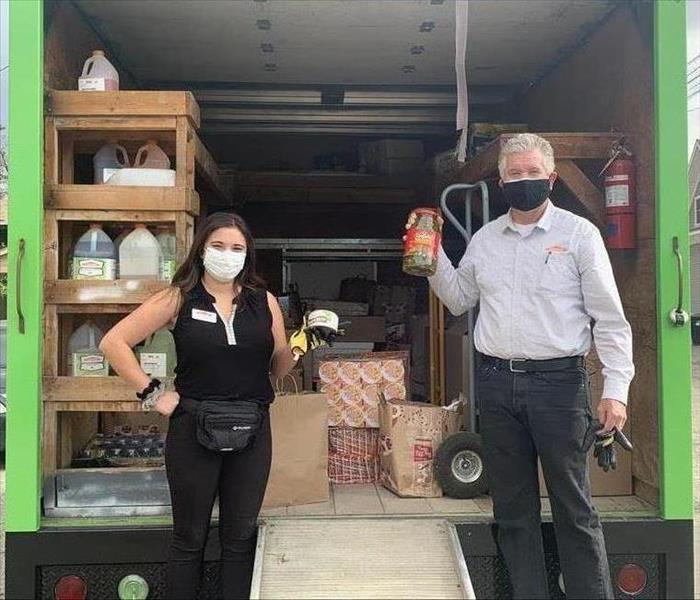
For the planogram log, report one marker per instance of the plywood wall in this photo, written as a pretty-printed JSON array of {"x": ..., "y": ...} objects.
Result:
[
  {"x": 607, "y": 84},
  {"x": 69, "y": 41}
]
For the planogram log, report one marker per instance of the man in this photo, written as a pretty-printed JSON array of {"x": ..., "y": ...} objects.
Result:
[{"x": 545, "y": 286}]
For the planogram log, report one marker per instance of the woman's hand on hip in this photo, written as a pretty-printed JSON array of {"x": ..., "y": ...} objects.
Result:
[{"x": 167, "y": 402}]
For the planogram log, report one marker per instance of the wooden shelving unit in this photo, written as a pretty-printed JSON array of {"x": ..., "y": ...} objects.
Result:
[
  {"x": 568, "y": 148},
  {"x": 77, "y": 124}
]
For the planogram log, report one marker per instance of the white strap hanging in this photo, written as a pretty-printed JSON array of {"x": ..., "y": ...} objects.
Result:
[{"x": 461, "y": 14}]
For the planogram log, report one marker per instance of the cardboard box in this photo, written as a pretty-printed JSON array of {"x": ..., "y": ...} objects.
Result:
[
  {"x": 391, "y": 157},
  {"x": 364, "y": 329}
]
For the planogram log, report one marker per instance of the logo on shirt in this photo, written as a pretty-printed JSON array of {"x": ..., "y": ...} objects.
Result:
[{"x": 556, "y": 249}]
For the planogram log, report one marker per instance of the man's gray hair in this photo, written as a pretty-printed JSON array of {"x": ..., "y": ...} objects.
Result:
[{"x": 525, "y": 142}]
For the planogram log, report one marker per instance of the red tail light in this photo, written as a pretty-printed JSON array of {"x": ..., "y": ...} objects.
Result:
[
  {"x": 632, "y": 579},
  {"x": 70, "y": 587}
]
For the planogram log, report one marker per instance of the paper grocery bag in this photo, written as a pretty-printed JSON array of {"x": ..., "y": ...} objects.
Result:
[
  {"x": 410, "y": 434},
  {"x": 299, "y": 471}
]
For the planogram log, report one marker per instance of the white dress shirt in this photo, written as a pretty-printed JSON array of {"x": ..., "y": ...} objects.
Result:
[{"x": 542, "y": 294}]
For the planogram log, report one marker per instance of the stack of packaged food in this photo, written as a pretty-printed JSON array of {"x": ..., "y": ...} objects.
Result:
[
  {"x": 352, "y": 387},
  {"x": 125, "y": 447}
]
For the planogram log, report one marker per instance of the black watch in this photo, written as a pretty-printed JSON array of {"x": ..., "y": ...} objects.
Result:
[{"x": 149, "y": 389}]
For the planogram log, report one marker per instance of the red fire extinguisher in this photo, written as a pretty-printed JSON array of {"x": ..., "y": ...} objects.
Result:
[{"x": 620, "y": 199}]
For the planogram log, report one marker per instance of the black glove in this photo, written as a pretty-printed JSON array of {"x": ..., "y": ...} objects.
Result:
[{"x": 604, "y": 450}]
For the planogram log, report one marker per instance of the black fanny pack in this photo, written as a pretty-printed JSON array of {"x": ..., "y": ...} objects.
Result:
[{"x": 225, "y": 426}]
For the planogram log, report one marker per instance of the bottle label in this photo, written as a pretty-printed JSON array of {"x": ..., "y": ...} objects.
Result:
[
  {"x": 97, "y": 84},
  {"x": 94, "y": 268},
  {"x": 167, "y": 269},
  {"x": 154, "y": 364},
  {"x": 90, "y": 364}
]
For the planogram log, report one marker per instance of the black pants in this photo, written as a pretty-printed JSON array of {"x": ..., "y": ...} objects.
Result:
[
  {"x": 525, "y": 416},
  {"x": 196, "y": 475}
]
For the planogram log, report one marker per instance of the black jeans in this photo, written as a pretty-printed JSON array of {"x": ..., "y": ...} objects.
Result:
[
  {"x": 525, "y": 416},
  {"x": 196, "y": 475}
]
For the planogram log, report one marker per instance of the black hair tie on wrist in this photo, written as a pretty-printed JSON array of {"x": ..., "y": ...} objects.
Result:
[{"x": 149, "y": 389}]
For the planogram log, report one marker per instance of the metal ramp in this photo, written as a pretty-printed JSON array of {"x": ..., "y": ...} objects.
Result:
[{"x": 359, "y": 558}]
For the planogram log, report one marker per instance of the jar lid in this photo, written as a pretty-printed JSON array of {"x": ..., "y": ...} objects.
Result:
[{"x": 424, "y": 210}]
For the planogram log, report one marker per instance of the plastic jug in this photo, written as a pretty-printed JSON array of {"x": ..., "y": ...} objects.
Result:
[
  {"x": 151, "y": 156},
  {"x": 157, "y": 355},
  {"x": 85, "y": 358},
  {"x": 168, "y": 261},
  {"x": 118, "y": 242},
  {"x": 98, "y": 75},
  {"x": 108, "y": 160},
  {"x": 94, "y": 256},
  {"x": 139, "y": 255}
]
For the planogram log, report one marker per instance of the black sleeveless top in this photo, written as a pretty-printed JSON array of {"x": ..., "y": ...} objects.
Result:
[{"x": 220, "y": 361}]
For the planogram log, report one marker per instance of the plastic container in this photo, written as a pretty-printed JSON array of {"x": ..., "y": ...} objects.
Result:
[
  {"x": 422, "y": 244},
  {"x": 139, "y": 255},
  {"x": 157, "y": 355},
  {"x": 94, "y": 256},
  {"x": 168, "y": 262},
  {"x": 109, "y": 159},
  {"x": 144, "y": 177},
  {"x": 85, "y": 358},
  {"x": 151, "y": 156},
  {"x": 99, "y": 75}
]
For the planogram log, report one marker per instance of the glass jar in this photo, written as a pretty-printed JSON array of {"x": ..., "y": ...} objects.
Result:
[{"x": 422, "y": 243}]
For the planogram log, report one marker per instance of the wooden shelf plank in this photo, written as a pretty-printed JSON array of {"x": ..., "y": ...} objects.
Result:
[
  {"x": 116, "y": 123},
  {"x": 98, "y": 390},
  {"x": 123, "y": 103},
  {"x": 116, "y": 216},
  {"x": 86, "y": 292},
  {"x": 208, "y": 170},
  {"x": 573, "y": 146},
  {"x": 112, "y": 197},
  {"x": 262, "y": 179},
  {"x": 582, "y": 187}
]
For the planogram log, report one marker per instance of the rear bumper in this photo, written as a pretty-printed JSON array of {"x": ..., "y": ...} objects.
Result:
[{"x": 34, "y": 561}]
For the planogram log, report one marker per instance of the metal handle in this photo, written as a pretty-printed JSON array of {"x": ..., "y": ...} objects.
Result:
[
  {"x": 678, "y": 316},
  {"x": 18, "y": 285},
  {"x": 470, "y": 189}
]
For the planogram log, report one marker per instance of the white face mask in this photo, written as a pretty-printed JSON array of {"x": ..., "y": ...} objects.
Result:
[{"x": 223, "y": 265}]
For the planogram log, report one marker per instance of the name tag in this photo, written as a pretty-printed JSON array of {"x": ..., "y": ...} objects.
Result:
[{"x": 203, "y": 315}]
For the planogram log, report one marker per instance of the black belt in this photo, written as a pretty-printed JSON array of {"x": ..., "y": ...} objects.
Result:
[
  {"x": 522, "y": 365},
  {"x": 191, "y": 405}
]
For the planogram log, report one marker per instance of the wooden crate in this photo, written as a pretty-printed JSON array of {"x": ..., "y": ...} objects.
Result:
[
  {"x": 60, "y": 233},
  {"x": 76, "y": 123}
]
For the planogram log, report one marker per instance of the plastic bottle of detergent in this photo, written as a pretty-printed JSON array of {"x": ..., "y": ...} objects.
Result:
[
  {"x": 139, "y": 255},
  {"x": 151, "y": 156},
  {"x": 99, "y": 75},
  {"x": 108, "y": 160},
  {"x": 84, "y": 356},
  {"x": 157, "y": 355},
  {"x": 94, "y": 256},
  {"x": 168, "y": 261}
]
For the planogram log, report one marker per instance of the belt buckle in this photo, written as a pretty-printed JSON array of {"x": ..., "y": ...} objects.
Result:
[{"x": 510, "y": 365}]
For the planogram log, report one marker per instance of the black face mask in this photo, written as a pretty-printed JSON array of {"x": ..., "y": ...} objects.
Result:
[{"x": 526, "y": 194}]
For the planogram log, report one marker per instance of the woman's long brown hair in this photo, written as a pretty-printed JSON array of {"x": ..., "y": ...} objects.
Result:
[{"x": 191, "y": 271}]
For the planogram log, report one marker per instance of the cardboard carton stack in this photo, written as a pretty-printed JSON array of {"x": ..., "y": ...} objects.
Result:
[{"x": 352, "y": 387}]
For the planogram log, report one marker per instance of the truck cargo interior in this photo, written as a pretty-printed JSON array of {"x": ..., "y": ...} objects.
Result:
[{"x": 324, "y": 124}]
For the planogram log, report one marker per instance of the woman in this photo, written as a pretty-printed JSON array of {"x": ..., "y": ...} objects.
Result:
[{"x": 229, "y": 334}]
